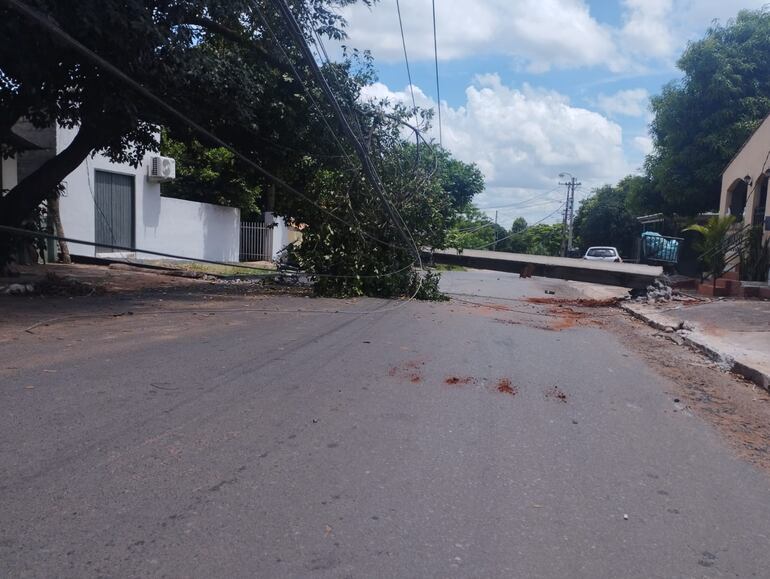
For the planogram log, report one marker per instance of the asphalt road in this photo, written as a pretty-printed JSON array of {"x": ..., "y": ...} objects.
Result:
[{"x": 213, "y": 439}]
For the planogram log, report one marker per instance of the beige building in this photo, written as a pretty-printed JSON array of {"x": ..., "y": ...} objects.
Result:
[{"x": 745, "y": 181}]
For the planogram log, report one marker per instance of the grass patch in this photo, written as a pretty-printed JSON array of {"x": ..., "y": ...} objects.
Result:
[
  {"x": 214, "y": 269},
  {"x": 443, "y": 267}
]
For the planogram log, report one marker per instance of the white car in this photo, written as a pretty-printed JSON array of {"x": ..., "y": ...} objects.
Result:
[{"x": 603, "y": 254}]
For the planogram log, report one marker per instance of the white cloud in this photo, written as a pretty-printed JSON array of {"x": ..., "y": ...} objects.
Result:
[
  {"x": 630, "y": 103},
  {"x": 540, "y": 34},
  {"x": 522, "y": 138},
  {"x": 647, "y": 30},
  {"x": 643, "y": 144}
]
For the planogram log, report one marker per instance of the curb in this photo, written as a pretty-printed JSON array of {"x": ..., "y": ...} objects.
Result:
[{"x": 750, "y": 373}]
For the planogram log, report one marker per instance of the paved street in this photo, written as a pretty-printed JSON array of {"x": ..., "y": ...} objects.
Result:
[{"x": 226, "y": 436}]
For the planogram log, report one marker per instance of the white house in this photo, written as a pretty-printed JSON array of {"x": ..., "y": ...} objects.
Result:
[{"x": 112, "y": 204}]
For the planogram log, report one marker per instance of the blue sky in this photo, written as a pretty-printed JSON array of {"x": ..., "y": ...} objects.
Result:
[{"x": 532, "y": 88}]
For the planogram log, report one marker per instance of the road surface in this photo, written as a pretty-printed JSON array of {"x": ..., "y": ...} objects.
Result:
[{"x": 224, "y": 436}]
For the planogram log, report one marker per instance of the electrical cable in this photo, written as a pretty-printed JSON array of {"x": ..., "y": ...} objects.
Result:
[
  {"x": 29, "y": 233},
  {"x": 519, "y": 232},
  {"x": 116, "y": 72},
  {"x": 406, "y": 59},
  {"x": 296, "y": 32},
  {"x": 438, "y": 86}
]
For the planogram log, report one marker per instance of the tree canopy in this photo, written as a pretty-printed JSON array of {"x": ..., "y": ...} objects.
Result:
[
  {"x": 210, "y": 59},
  {"x": 701, "y": 121},
  {"x": 603, "y": 219}
]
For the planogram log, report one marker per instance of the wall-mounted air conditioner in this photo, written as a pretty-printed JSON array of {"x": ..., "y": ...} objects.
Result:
[{"x": 161, "y": 169}]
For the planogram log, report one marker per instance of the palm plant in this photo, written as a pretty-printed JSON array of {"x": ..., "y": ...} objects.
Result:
[{"x": 711, "y": 244}]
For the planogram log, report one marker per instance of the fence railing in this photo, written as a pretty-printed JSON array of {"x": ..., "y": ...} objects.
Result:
[{"x": 256, "y": 241}]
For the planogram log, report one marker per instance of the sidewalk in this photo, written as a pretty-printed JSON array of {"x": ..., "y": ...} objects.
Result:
[{"x": 735, "y": 333}]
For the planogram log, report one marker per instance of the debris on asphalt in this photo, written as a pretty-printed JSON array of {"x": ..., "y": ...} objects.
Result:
[
  {"x": 550, "y": 292},
  {"x": 625, "y": 517},
  {"x": 458, "y": 380},
  {"x": 17, "y": 289},
  {"x": 556, "y": 393},
  {"x": 504, "y": 386}
]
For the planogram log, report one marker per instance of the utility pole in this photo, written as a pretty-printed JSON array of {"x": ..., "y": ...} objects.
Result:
[
  {"x": 495, "y": 230},
  {"x": 569, "y": 214}
]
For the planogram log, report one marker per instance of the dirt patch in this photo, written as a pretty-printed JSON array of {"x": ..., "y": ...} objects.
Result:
[
  {"x": 556, "y": 393},
  {"x": 554, "y": 319},
  {"x": 738, "y": 409},
  {"x": 580, "y": 302},
  {"x": 410, "y": 371},
  {"x": 459, "y": 380},
  {"x": 504, "y": 386},
  {"x": 56, "y": 285}
]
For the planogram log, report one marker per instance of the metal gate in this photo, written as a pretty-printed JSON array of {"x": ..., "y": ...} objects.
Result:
[
  {"x": 114, "y": 211},
  {"x": 256, "y": 241}
]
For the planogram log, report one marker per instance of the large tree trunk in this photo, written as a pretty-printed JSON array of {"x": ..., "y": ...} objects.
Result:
[{"x": 21, "y": 201}]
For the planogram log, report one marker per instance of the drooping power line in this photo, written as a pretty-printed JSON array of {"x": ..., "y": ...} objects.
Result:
[
  {"x": 438, "y": 84},
  {"x": 406, "y": 59}
]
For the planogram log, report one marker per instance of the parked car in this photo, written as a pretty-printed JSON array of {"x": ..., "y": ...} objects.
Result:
[{"x": 603, "y": 254}]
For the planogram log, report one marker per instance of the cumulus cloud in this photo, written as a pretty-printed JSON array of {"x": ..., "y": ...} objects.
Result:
[
  {"x": 643, "y": 144},
  {"x": 647, "y": 29},
  {"x": 630, "y": 103},
  {"x": 522, "y": 138},
  {"x": 538, "y": 34}
]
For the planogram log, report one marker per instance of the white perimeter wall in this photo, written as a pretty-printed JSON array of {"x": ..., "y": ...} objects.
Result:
[
  {"x": 196, "y": 230},
  {"x": 187, "y": 228},
  {"x": 9, "y": 173}
]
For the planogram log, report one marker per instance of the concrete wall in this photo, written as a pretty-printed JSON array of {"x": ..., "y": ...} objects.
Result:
[
  {"x": 187, "y": 228},
  {"x": 752, "y": 160},
  {"x": 9, "y": 173},
  {"x": 197, "y": 230}
]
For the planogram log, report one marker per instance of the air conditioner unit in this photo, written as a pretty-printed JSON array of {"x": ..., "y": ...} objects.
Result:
[{"x": 161, "y": 169}]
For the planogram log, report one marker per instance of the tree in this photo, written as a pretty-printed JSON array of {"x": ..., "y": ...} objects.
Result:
[
  {"x": 543, "y": 239},
  {"x": 471, "y": 229},
  {"x": 516, "y": 241},
  {"x": 642, "y": 195},
  {"x": 603, "y": 219},
  {"x": 211, "y": 175},
  {"x": 203, "y": 56},
  {"x": 702, "y": 120}
]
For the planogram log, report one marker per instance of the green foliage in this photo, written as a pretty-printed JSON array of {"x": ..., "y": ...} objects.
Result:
[
  {"x": 701, "y": 121},
  {"x": 603, "y": 219},
  {"x": 471, "y": 229},
  {"x": 711, "y": 243},
  {"x": 211, "y": 175},
  {"x": 208, "y": 58},
  {"x": 542, "y": 239},
  {"x": 461, "y": 181},
  {"x": 361, "y": 265}
]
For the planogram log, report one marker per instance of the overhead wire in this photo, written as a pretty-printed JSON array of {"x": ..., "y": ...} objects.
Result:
[
  {"x": 43, "y": 235},
  {"x": 370, "y": 171},
  {"x": 57, "y": 31},
  {"x": 406, "y": 59},
  {"x": 295, "y": 31},
  {"x": 438, "y": 84},
  {"x": 519, "y": 232}
]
